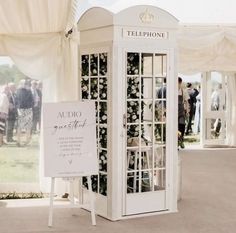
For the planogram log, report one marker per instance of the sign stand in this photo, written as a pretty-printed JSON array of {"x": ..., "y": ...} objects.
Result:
[
  {"x": 72, "y": 200},
  {"x": 70, "y": 148}
]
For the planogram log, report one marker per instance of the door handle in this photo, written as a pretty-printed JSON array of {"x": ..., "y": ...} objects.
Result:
[{"x": 124, "y": 121}]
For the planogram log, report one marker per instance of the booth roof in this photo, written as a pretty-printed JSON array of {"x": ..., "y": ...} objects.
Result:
[{"x": 186, "y": 11}]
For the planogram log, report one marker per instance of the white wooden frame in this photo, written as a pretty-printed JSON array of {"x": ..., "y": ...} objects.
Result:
[
  {"x": 209, "y": 114},
  {"x": 171, "y": 141},
  {"x": 72, "y": 200}
]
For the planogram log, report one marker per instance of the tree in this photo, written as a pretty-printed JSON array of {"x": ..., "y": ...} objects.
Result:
[{"x": 10, "y": 74}]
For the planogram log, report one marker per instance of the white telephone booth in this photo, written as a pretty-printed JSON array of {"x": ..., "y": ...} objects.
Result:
[{"x": 128, "y": 67}]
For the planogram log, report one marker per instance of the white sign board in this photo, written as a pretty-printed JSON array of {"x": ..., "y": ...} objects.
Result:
[{"x": 69, "y": 139}]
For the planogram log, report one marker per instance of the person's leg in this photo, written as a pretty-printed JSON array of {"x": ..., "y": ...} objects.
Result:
[
  {"x": 181, "y": 128},
  {"x": 189, "y": 126},
  {"x": 10, "y": 128},
  {"x": 2, "y": 129}
]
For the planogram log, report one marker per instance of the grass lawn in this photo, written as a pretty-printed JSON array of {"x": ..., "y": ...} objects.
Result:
[{"x": 19, "y": 164}]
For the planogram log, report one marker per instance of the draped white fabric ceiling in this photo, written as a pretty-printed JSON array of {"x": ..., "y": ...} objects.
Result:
[{"x": 33, "y": 30}]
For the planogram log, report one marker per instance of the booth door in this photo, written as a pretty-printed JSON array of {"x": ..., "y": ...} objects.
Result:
[
  {"x": 214, "y": 101},
  {"x": 145, "y": 130}
]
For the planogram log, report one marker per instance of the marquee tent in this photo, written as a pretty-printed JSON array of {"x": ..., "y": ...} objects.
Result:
[{"x": 34, "y": 33}]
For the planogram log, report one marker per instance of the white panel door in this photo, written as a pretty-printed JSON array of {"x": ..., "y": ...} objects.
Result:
[{"x": 214, "y": 109}]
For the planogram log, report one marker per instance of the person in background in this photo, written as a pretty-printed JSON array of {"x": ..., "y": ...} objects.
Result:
[
  {"x": 25, "y": 103},
  {"x": 197, "y": 116},
  {"x": 35, "y": 106},
  {"x": 192, "y": 92},
  {"x": 183, "y": 111},
  {"x": 12, "y": 112},
  {"x": 4, "y": 107},
  {"x": 39, "y": 90},
  {"x": 160, "y": 110}
]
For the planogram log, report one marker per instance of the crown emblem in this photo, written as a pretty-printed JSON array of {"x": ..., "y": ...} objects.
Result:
[{"x": 146, "y": 17}]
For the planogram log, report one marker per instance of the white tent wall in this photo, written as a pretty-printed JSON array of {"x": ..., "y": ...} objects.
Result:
[
  {"x": 205, "y": 48},
  {"x": 34, "y": 34}
]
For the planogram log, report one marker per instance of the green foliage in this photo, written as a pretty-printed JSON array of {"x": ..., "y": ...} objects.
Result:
[
  {"x": 14, "y": 195},
  {"x": 10, "y": 74}
]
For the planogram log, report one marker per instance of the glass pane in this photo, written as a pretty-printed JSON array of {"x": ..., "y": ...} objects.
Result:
[
  {"x": 93, "y": 64},
  {"x": 146, "y": 158},
  {"x": 146, "y": 87},
  {"x": 132, "y": 63},
  {"x": 159, "y": 179},
  {"x": 85, "y": 65},
  {"x": 94, "y": 88},
  {"x": 147, "y": 134},
  {"x": 85, "y": 87},
  {"x": 132, "y": 158},
  {"x": 146, "y": 112},
  {"x": 94, "y": 183},
  {"x": 133, "y": 88},
  {"x": 103, "y": 64},
  {"x": 103, "y": 88},
  {"x": 147, "y": 63},
  {"x": 103, "y": 184},
  {"x": 146, "y": 182},
  {"x": 160, "y": 111},
  {"x": 103, "y": 160},
  {"x": 132, "y": 135},
  {"x": 160, "y": 65},
  {"x": 216, "y": 95},
  {"x": 160, "y": 133},
  {"x": 132, "y": 111},
  {"x": 159, "y": 157},
  {"x": 160, "y": 88},
  {"x": 215, "y": 129},
  {"x": 103, "y": 112},
  {"x": 132, "y": 182},
  {"x": 103, "y": 137}
]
